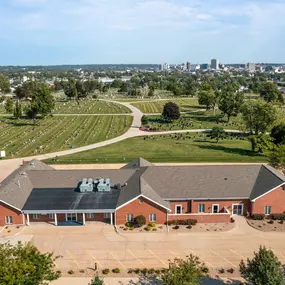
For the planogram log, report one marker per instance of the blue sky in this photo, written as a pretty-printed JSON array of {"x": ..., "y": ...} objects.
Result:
[{"x": 141, "y": 31}]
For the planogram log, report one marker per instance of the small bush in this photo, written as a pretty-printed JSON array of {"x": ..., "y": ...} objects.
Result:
[
  {"x": 157, "y": 271},
  {"x": 189, "y": 227},
  {"x": 152, "y": 225},
  {"x": 176, "y": 227},
  {"x": 257, "y": 216},
  {"x": 151, "y": 271},
  {"x": 281, "y": 222},
  {"x": 129, "y": 224},
  {"x": 154, "y": 229},
  {"x": 116, "y": 270},
  {"x": 137, "y": 270},
  {"x": 70, "y": 272},
  {"x": 188, "y": 222},
  {"x": 232, "y": 220},
  {"x": 205, "y": 270},
  {"x": 125, "y": 228},
  {"x": 140, "y": 220},
  {"x": 81, "y": 270},
  {"x": 106, "y": 271},
  {"x": 280, "y": 217},
  {"x": 144, "y": 271},
  {"x": 130, "y": 271},
  {"x": 147, "y": 228},
  {"x": 9, "y": 231},
  {"x": 58, "y": 272},
  {"x": 17, "y": 227},
  {"x": 271, "y": 222},
  {"x": 231, "y": 270},
  {"x": 222, "y": 270},
  {"x": 131, "y": 228}
]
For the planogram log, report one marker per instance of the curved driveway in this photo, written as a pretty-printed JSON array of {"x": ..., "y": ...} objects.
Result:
[{"x": 9, "y": 165}]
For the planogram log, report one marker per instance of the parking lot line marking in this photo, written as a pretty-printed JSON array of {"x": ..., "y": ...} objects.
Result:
[
  {"x": 90, "y": 253},
  {"x": 237, "y": 254},
  {"x": 136, "y": 257},
  {"x": 223, "y": 258},
  {"x": 72, "y": 257},
  {"x": 157, "y": 257},
  {"x": 195, "y": 253},
  {"x": 117, "y": 259}
]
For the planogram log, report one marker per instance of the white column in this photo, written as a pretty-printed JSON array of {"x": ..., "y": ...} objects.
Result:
[
  {"x": 55, "y": 219},
  {"x": 115, "y": 218},
  {"x": 28, "y": 219},
  {"x": 111, "y": 218},
  {"x": 83, "y": 216}
]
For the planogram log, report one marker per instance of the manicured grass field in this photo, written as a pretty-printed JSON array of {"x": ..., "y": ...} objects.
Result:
[
  {"x": 199, "y": 120},
  {"x": 157, "y": 106},
  {"x": 18, "y": 138},
  {"x": 169, "y": 148},
  {"x": 90, "y": 107}
]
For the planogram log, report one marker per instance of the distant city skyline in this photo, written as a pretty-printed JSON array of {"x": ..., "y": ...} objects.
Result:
[{"x": 54, "y": 32}]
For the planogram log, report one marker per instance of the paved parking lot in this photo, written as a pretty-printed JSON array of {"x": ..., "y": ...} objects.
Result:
[{"x": 82, "y": 247}]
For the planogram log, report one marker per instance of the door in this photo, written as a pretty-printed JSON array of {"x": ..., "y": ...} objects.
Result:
[
  {"x": 215, "y": 208},
  {"x": 71, "y": 217},
  {"x": 238, "y": 209},
  {"x": 9, "y": 220}
]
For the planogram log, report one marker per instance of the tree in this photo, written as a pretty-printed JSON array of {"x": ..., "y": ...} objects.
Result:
[
  {"x": 140, "y": 220},
  {"x": 217, "y": 133},
  {"x": 42, "y": 102},
  {"x": 150, "y": 93},
  {"x": 96, "y": 281},
  {"x": 270, "y": 93},
  {"x": 277, "y": 157},
  {"x": 144, "y": 120},
  {"x": 185, "y": 272},
  {"x": 9, "y": 106},
  {"x": 23, "y": 264},
  {"x": 261, "y": 142},
  {"x": 4, "y": 84},
  {"x": 264, "y": 268},
  {"x": 70, "y": 89},
  {"x": 258, "y": 116},
  {"x": 207, "y": 98},
  {"x": 18, "y": 110},
  {"x": 171, "y": 111},
  {"x": 230, "y": 103},
  {"x": 80, "y": 87},
  {"x": 278, "y": 134}
]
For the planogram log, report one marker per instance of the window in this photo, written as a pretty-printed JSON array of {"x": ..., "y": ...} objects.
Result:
[
  {"x": 9, "y": 220},
  {"x": 215, "y": 208},
  {"x": 51, "y": 216},
  {"x": 90, "y": 215},
  {"x": 152, "y": 217},
  {"x": 36, "y": 216},
  {"x": 201, "y": 208},
  {"x": 178, "y": 209},
  {"x": 107, "y": 215},
  {"x": 267, "y": 210},
  {"x": 130, "y": 217}
]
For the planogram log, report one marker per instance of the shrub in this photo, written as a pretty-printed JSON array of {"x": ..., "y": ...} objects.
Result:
[
  {"x": 280, "y": 217},
  {"x": 231, "y": 270},
  {"x": 189, "y": 227},
  {"x": 106, "y": 271},
  {"x": 130, "y": 271},
  {"x": 157, "y": 271},
  {"x": 257, "y": 216},
  {"x": 152, "y": 225},
  {"x": 232, "y": 220},
  {"x": 151, "y": 271},
  {"x": 129, "y": 224},
  {"x": 125, "y": 228},
  {"x": 271, "y": 222},
  {"x": 137, "y": 270},
  {"x": 222, "y": 270},
  {"x": 116, "y": 270},
  {"x": 140, "y": 220},
  {"x": 154, "y": 229},
  {"x": 189, "y": 222},
  {"x": 281, "y": 222},
  {"x": 131, "y": 228},
  {"x": 176, "y": 227},
  {"x": 9, "y": 231},
  {"x": 70, "y": 272},
  {"x": 144, "y": 271},
  {"x": 58, "y": 272},
  {"x": 147, "y": 228},
  {"x": 81, "y": 270},
  {"x": 205, "y": 270}
]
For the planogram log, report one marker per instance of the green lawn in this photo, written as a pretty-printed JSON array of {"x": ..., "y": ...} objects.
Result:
[
  {"x": 199, "y": 120},
  {"x": 18, "y": 138},
  {"x": 169, "y": 148},
  {"x": 157, "y": 106}
]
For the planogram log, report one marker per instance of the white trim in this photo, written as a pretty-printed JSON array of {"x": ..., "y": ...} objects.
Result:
[
  {"x": 268, "y": 192},
  {"x": 10, "y": 205},
  {"x": 198, "y": 208},
  {"x": 11, "y": 220},
  {"x": 55, "y": 219},
  {"x": 205, "y": 199},
  {"x": 141, "y": 195},
  {"x": 28, "y": 219},
  {"x": 201, "y": 214},
  {"x": 270, "y": 210},
  {"x": 38, "y": 216},
  {"x": 241, "y": 210},
  {"x": 151, "y": 220},
  {"x": 46, "y": 212},
  {"x": 127, "y": 218},
  {"x": 181, "y": 212},
  {"x": 111, "y": 218},
  {"x": 213, "y": 205},
  {"x": 71, "y": 216},
  {"x": 83, "y": 218},
  {"x": 115, "y": 218}
]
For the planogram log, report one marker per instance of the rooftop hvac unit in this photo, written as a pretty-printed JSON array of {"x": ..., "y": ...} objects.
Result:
[
  {"x": 84, "y": 185},
  {"x": 90, "y": 185},
  {"x": 104, "y": 186}
]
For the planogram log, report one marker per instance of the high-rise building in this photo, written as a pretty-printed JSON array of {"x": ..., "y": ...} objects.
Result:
[
  {"x": 250, "y": 67},
  {"x": 188, "y": 65},
  {"x": 164, "y": 67},
  {"x": 215, "y": 64},
  {"x": 204, "y": 66}
]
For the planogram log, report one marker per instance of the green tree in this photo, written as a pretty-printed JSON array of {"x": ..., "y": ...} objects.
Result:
[
  {"x": 96, "y": 281},
  {"x": 261, "y": 142},
  {"x": 217, "y": 133},
  {"x": 144, "y": 120},
  {"x": 190, "y": 271},
  {"x": 171, "y": 111},
  {"x": 278, "y": 134},
  {"x": 42, "y": 102},
  {"x": 70, "y": 89},
  {"x": 9, "y": 106},
  {"x": 23, "y": 264},
  {"x": 277, "y": 157},
  {"x": 4, "y": 84},
  {"x": 207, "y": 98},
  {"x": 258, "y": 116},
  {"x": 150, "y": 93},
  {"x": 270, "y": 93},
  {"x": 230, "y": 103},
  {"x": 18, "y": 110},
  {"x": 263, "y": 268}
]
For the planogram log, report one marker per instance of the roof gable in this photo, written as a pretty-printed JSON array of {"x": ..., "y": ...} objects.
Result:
[{"x": 139, "y": 162}]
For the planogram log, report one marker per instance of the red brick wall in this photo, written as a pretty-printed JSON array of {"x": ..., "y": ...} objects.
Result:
[
  {"x": 143, "y": 207},
  {"x": 185, "y": 206},
  {"x": 275, "y": 199},
  {"x": 203, "y": 218},
  {"x": 5, "y": 210},
  {"x": 222, "y": 204}
]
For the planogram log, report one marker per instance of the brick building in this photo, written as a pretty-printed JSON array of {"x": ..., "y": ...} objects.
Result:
[{"x": 36, "y": 192}]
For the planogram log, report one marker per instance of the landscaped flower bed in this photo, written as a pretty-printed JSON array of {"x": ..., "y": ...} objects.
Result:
[{"x": 272, "y": 222}]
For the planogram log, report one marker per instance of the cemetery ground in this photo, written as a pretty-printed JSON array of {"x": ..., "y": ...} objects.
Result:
[
  {"x": 19, "y": 138},
  {"x": 183, "y": 147}
]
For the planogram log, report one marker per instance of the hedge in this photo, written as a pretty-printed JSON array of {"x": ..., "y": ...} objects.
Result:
[
  {"x": 189, "y": 222},
  {"x": 280, "y": 217},
  {"x": 257, "y": 216}
]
